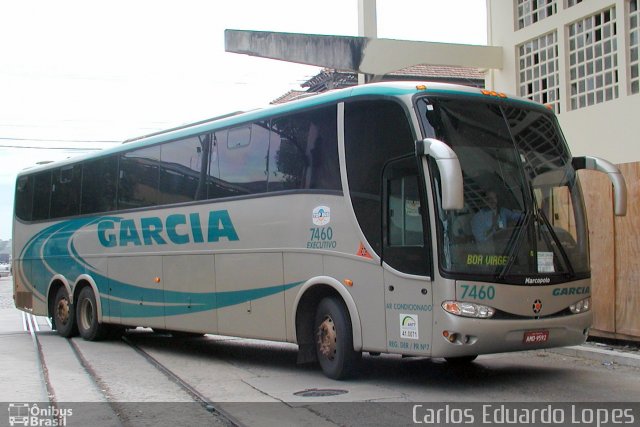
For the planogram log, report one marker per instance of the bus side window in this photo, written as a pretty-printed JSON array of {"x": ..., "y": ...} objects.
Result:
[
  {"x": 139, "y": 178},
  {"x": 375, "y": 132},
  {"x": 99, "y": 185},
  {"x": 65, "y": 191},
  {"x": 303, "y": 151},
  {"x": 41, "y": 196},
  {"x": 181, "y": 164},
  {"x": 24, "y": 198},
  {"x": 287, "y": 160},
  {"x": 404, "y": 219},
  {"x": 403, "y": 223},
  {"x": 322, "y": 146},
  {"x": 242, "y": 160}
]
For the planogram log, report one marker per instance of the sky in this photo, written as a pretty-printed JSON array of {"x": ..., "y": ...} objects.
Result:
[{"x": 79, "y": 76}]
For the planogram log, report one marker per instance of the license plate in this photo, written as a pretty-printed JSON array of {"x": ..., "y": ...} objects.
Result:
[{"x": 535, "y": 337}]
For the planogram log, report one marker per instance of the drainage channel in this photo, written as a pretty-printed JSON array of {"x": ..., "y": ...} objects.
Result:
[{"x": 320, "y": 392}]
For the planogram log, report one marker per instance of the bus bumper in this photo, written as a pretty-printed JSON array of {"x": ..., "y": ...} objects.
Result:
[{"x": 460, "y": 336}]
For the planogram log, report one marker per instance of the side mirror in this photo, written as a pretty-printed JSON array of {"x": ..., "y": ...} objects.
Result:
[
  {"x": 450, "y": 171},
  {"x": 616, "y": 177}
]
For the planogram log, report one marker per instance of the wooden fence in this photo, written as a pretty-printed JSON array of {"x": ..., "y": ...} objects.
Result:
[{"x": 615, "y": 255}]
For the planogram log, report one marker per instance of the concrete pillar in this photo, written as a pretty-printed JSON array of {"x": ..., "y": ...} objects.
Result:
[{"x": 367, "y": 25}]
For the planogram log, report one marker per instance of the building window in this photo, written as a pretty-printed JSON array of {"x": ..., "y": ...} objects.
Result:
[
  {"x": 593, "y": 61},
  {"x": 634, "y": 35},
  {"x": 571, "y": 3},
  {"x": 539, "y": 79},
  {"x": 532, "y": 11}
]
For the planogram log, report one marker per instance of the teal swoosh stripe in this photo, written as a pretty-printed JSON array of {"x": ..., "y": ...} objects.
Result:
[
  {"x": 36, "y": 274},
  {"x": 122, "y": 299},
  {"x": 225, "y": 299},
  {"x": 199, "y": 302}
]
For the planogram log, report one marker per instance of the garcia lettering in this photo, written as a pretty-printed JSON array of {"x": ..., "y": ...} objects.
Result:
[
  {"x": 178, "y": 229},
  {"x": 583, "y": 290}
]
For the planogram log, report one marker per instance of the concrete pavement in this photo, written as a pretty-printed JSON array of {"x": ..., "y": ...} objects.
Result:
[
  {"x": 603, "y": 355},
  {"x": 22, "y": 378}
]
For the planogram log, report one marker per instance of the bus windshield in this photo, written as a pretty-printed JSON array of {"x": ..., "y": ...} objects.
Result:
[{"x": 523, "y": 215}]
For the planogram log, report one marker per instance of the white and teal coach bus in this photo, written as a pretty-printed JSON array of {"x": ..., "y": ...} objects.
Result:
[{"x": 345, "y": 222}]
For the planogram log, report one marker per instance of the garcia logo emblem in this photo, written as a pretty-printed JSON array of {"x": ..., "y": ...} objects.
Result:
[
  {"x": 537, "y": 306},
  {"x": 321, "y": 215}
]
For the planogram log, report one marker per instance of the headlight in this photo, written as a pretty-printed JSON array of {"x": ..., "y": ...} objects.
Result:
[
  {"x": 468, "y": 309},
  {"x": 581, "y": 306}
]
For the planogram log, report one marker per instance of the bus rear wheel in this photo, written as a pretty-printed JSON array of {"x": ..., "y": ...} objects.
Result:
[
  {"x": 334, "y": 339},
  {"x": 87, "y": 315},
  {"x": 63, "y": 314}
]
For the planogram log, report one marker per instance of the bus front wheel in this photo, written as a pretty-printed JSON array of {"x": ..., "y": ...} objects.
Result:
[
  {"x": 87, "y": 314},
  {"x": 63, "y": 314},
  {"x": 334, "y": 339}
]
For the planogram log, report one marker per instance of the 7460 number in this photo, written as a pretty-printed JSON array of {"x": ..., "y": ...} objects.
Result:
[
  {"x": 478, "y": 292},
  {"x": 321, "y": 234}
]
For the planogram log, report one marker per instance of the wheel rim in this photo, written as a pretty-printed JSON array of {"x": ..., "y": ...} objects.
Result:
[
  {"x": 86, "y": 313},
  {"x": 327, "y": 338},
  {"x": 62, "y": 310}
]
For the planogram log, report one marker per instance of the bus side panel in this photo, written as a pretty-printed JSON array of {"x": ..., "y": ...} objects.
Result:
[
  {"x": 39, "y": 280},
  {"x": 97, "y": 269},
  {"x": 368, "y": 294},
  {"x": 298, "y": 267},
  {"x": 23, "y": 293},
  {"x": 135, "y": 294},
  {"x": 250, "y": 295},
  {"x": 189, "y": 287},
  {"x": 409, "y": 313}
]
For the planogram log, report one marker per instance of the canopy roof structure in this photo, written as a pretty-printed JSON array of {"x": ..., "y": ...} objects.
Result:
[{"x": 365, "y": 55}]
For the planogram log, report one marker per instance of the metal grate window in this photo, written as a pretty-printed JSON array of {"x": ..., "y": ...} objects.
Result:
[
  {"x": 532, "y": 11},
  {"x": 539, "y": 78},
  {"x": 593, "y": 61},
  {"x": 634, "y": 35}
]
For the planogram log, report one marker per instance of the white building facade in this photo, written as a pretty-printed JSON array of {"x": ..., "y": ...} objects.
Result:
[{"x": 579, "y": 56}]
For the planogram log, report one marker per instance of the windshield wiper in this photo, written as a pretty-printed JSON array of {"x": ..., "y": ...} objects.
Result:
[
  {"x": 513, "y": 246},
  {"x": 516, "y": 241},
  {"x": 556, "y": 240}
]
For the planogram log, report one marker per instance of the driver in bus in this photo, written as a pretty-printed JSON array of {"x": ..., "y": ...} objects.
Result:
[{"x": 491, "y": 218}]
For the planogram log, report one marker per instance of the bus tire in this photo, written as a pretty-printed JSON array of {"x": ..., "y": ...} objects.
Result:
[
  {"x": 87, "y": 317},
  {"x": 64, "y": 315},
  {"x": 334, "y": 339}
]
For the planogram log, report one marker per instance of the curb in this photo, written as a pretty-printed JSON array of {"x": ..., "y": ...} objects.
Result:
[{"x": 606, "y": 357}]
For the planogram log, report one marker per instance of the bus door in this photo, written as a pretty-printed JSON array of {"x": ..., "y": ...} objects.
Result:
[{"x": 406, "y": 261}]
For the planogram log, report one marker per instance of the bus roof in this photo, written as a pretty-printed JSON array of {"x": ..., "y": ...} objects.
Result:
[{"x": 388, "y": 89}]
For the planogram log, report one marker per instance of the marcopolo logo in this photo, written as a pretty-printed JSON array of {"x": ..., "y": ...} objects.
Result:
[
  {"x": 178, "y": 229},
  {"x": 537, "y": 280},
  {"x": 31, "y": 415}
]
